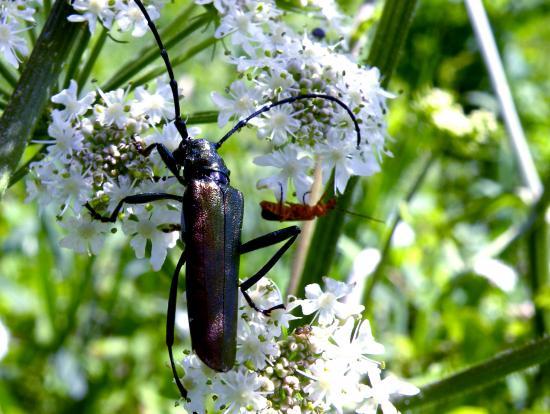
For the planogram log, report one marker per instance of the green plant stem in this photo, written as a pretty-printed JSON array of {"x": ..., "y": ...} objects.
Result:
[
  {"x": 149, "y": 54},
  {"x": 384, "y": 53},
  {"x": 82, "y": 42},
  {"x": 125, "y": 257},
  {"x": 205, "y": 117},
  {"x": 480, "y": 375},
  {"x": 4, "y": 93},
  {"x": 371, "y": 281},
  {"x": 7, "y": 75},
  {"x": 31, "y": 95},
  {"x": 46, "y": 281},
  {"x": 31, "y": 33},
  {"x": 175, "y": 62},
  {"x": 80, "y": 288},
  {"x": 182, "y": 20},
  {"x": 537, "y": 252},
  {"x": 88, "y": 66},
  {"x": 23, "y": 170}
]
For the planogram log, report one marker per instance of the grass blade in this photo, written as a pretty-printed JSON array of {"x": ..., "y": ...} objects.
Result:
[{"x": 480, "y": 375}]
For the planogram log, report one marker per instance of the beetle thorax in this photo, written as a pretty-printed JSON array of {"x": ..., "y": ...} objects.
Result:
[{"x": 202, "y": 161}]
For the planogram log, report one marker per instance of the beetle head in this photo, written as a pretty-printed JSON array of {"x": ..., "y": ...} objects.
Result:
[{"x": 200, "y": 160}]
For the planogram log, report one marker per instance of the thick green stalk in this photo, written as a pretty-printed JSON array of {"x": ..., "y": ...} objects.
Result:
[
  {"x": 537, "y": 252},
  {"x": 389, "y": 38},
  {"x": 32, "y": 93},
  {"x": 31, "y": 32},
  {"x": 4, "y": 93},
  {"x": 23, "y": 170},
  {"x": 182, "y": 20},
  {"x": 81, "y": 287},
  {"x": 83, "y": 40},
  {"x": 480, "y": 375},
  {"x": 46, "y": 279},
  {"x": 151, "y": 53},
  {"x": 87, "y": 68},
  {"x": 206, "y": 117},
  {"x": 153, "y": 73},
  {"x": 7, "y": 74}
]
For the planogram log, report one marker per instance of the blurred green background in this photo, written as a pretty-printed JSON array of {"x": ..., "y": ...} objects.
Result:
[{"x": 86, "y": 334}]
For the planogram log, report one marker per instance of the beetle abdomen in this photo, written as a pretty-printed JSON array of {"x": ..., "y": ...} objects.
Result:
[{"x": 213, "y": 220}]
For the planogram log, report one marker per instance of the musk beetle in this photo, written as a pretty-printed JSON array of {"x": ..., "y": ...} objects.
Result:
[{"x": 211, "y": 221}]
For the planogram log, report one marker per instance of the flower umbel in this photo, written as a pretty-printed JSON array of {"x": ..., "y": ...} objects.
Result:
[{"x": 314, "y": 369}]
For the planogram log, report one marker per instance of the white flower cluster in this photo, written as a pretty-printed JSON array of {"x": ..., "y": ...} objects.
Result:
[
  {"x": 125, "y": 13},
  {"x": 15, "y": 15},
  {"x": 93, "y": 158},
  {"x": 316, "y": 369},
  {"x": 278, "y": 63}
]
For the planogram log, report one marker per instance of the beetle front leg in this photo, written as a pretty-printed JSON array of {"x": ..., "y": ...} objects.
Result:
[
  {"x": 133, "y": 199},
  {"x": 290, "y": 234},
  {"x": 166, "y": 156}
]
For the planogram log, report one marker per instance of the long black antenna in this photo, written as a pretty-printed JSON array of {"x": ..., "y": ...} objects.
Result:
[
  {"x": 182, "y": 129},
  {"x": 266, "y": 108},
  {"x": 180, "y": 123}
]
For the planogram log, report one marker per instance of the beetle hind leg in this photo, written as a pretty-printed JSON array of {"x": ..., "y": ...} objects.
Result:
[
  {"x": 266, "y": 312},
  {"x": 289, "y": 234}
]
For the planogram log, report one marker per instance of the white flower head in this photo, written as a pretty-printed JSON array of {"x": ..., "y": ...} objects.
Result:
[
  {"x": 326, "y": 304},
  {"x": 331, "y": 385},
  {"x": 74, "y": 107},
  {"x": 116, "y": 109},
  {"x": 129, "y": 16},
  {"x": 91, "y": 11},
  {"x": 242, "y": 102},
  {"x": 293, "y": 167},
  {"x": 67, "y": 138},
  {"x": 196, "y": 382},
  {"x": 352, "y": 345},
  {"x": 11, "y": 42},
  {"x": 278, "y": 124},
  {"x": 157, "y": 105},
  {"x": 255, "y": 346},
  {"x": 85, "y": 234},
  {"x": 72, "y": 188},
  {"x": 240, "y": 391},
  {"x": 149, "y": 227},
  {"x": 378, "y": 394}
]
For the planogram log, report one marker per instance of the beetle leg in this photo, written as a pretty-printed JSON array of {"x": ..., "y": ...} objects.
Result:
[
  {"x": 166, "y": 156},
  {"x": 171, "y": 320},
  {"x": 290, "y": 234},
  {"x": 269, "y": 239},
  {"x": 133, "y": 199},
  {"x": 169, "y": 228}
]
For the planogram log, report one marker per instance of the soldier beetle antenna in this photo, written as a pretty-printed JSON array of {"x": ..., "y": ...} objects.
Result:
[{"x": 266, "y": 108}]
